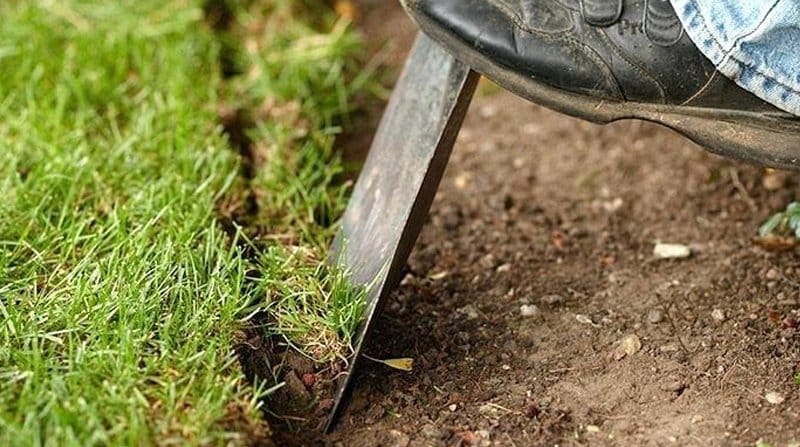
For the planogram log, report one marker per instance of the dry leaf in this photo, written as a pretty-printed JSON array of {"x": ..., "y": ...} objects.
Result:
[
  {"x": 776, "y": 243},
  {"x": 403, "y": 364}
]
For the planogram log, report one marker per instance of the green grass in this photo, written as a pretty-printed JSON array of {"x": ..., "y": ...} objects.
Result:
[
  {"x": 298, "y": 82},
  {"x": 119, "y": 292}
]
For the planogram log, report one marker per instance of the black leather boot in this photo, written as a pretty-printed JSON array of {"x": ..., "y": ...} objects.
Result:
[{"x": 604, "y": 60}]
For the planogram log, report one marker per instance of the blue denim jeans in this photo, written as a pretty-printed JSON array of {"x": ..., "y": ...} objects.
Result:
[{"x": 754, "y": 42}]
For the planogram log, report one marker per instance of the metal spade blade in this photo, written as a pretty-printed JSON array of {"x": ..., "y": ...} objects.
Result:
[{"x": 399, "y": 180}]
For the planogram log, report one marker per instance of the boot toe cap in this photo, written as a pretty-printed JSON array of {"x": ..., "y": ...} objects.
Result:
[{"x": 532, "y": 42}]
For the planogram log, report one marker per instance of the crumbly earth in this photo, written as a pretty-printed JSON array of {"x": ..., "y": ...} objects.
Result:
[{"x": 537, "y": 314}]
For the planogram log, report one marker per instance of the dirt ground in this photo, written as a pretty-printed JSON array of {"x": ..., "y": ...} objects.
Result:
[{"x": 537, "y": 263}]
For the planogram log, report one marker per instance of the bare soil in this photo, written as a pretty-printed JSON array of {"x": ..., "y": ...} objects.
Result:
[{"x": 557, "y": 217}]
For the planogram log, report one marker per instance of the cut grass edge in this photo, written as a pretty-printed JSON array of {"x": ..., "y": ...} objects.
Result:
[
  {"x": 120, "y": 294},
  {"x": 295, "y": 88}
]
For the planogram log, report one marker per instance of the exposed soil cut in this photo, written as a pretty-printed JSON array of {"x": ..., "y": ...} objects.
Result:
[{"x": 537, "y": 313}]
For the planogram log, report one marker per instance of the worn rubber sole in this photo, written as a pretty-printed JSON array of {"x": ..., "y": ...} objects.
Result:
[{"x": 771, "y": 140}]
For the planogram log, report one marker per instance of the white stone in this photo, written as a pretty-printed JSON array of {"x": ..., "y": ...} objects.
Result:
[
  {"x": 774, "y": 398},
  {"x": 672, "y": 251},
  {"x": 528, "y": 310},
  {"x": 627, "y": 346}
]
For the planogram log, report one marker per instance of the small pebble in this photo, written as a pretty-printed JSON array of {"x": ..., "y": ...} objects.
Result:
[
  {"x": 453, "y": 407},
  {"x": 399, "y": 439},
  {"x": 488, "y": 111},
  {"x": 673, "y": 385},
  {"x": 439, "y": 275},
  {"x": 655, "y": 316},
  {"x": 718, "y": 315},
  {"x": 774, "y": 398},
  {"x": 482, "y": 438},
  {"x": 772, "y": 274},
  {"x": 470, "y": 311},
  {"x": 532, "y": 411},
  {"x": 671, "y": 251},
  {"x": 308, "y": 380},
  {"x": 528, "y": 310},
  {"x": 584, "y": 319},
  {"x": 488, "y": 409},
  {"x": 462, "y": 181},
  {"x": 592, "y": 429},
  {"x": 612, "y": 206},
  {"x": 775, "y": 180},
  {"x": 431, "y": 432},
  {"x": 552, "y": 299},
  {"x": 627, "y": 346}
]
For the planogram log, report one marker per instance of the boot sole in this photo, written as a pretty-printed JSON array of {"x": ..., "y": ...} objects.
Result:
[{"x": 771, "y": 140}]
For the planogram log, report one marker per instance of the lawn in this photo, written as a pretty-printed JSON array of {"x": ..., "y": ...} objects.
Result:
[{"x": 138, "y": 237}]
